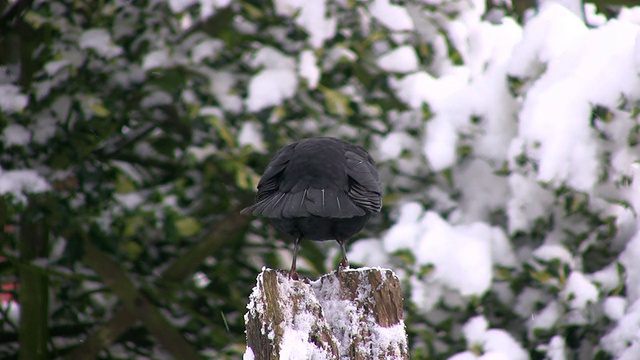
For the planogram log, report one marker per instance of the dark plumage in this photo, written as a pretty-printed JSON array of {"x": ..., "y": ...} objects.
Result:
[{"x": 319, "y": 189}]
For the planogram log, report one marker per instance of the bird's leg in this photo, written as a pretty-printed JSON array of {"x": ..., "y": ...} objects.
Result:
[
  {"x": 293, "y": 274},
  {"x": 344, "y": 264}
]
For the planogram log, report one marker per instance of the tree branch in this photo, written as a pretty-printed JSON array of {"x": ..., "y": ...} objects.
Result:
[
  {"x": 17, "y": 9},
  {"x": 177, "y": 271},
  {"x": 137, "y": 303}
]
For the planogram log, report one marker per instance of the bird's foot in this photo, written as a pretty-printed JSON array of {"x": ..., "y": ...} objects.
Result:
[
  {"x": 343, "y": 266},
  {"x": 293, "y": 274}
]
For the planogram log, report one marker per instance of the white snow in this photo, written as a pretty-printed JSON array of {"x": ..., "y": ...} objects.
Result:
[
  {"x": 11, "y": 99},
  {"x": 337, "y": 54},
  {"x": 500, "y": 343},
  {"x": 495, "y": 343},
  {"x": 20, "y": 183},
  {"x": 614, "y": 307},
  {"x": 425, "y": 294},
  {"x": 271, "y": 58},
  {"x": 129, "y": 201},
  {"x": 632, "y": 352},
  {"x": 555, "y": 349},
  {"x": 52, "y": 67},
  {"x": 208, "y": 7},
  {"x": 546, "y": 318},
  {"x": 475, "y": 330},
  {"x": 400, "y": 60},
  {"x": 462, "y": 256},
  {"x": 546, "y": 37},
  {"x": 393, "y": 144},
  {"x": 156, "y": 59},
  {"x": 574, "y": 58},
  {"x": 392, "y": 16},
  {"x": 579, "y": 291},
  {"x": 630, "y": 258},
  {"x": 550, "y": 252},
  {"x": 304, "y": 303},
  {"x": 156, "y": 98},
  {"x": 419, "y": 88},
  {"x": 250, "y": 135},
  {"x": 461, "y": 261},
  {"x": 346, "y": 320},
  {"x": 466, "y": 355},
  {"x": 404, "y": 234},
  {"x": 625, "y": 333},
  {"x": 180, "y": 5},
  {"x": 311, "y": 17},
  {"x": 12, "y": 309},
  {"x": 593, "y": 18},
  {"x": 296, "y": 344},
  {"x": 368, "y": 251},
  {"x": 341, "y": 315},
  {"x": 483, "y": 192},
  {"x": 270, "y": 88},
  {"x": 522, "y": 211},
  {"x": 99, "y": 40},
  {"x": 501, "y": 250},
  {"x": 207, "y": 49},
  {"x": 392, "y": 337},
  {"x": 308, "y": 68},
  {"x": 15, "y": 134},
  {"x": 526, "y": 302},
  {"x": 222, "y": 87},
  {"x": 630, "y": 14},
  {"x": 416, "y": 89},
  {"x": 275, "y": 83},
  {"x": 248, "y": 354}
]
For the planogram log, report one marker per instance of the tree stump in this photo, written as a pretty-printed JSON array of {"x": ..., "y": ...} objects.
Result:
[{"x": 348, "y": 314}]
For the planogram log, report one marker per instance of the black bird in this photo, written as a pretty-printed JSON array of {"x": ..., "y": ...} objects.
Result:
[{"x": 319, "y": 188}]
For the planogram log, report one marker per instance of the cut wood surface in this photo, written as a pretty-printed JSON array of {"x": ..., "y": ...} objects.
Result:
[{"x": 348, "y": 314}]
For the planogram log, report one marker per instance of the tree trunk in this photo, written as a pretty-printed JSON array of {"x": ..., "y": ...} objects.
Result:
[
  {"x": 350, "y": 314},
  {"x": 33, "y": 296}
]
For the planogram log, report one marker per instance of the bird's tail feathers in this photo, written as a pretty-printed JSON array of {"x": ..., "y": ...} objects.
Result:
[{"x": 327, "y": 203}]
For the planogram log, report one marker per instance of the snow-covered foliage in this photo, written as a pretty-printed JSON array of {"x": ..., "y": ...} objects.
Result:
[
  {"x": 531, "y": 223},
  {"x": 508, "y": 145}
]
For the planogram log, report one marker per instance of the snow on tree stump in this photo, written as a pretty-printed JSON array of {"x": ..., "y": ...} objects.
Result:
[{"x": 348, "y": 314}]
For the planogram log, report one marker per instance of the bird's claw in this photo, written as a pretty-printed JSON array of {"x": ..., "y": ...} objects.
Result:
[{"x": 293, "y": 275}]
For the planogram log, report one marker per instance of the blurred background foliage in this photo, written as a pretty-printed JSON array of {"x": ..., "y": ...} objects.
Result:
[{"x": 137, "y": 119}]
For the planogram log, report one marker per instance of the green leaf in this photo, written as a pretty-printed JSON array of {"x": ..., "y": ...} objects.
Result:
[
  {"x": 541, "y": 276},
  {"x": 223, "y": 131},
  {"x": 187, "y": 226},
  {"x": 124, "y": 184},
  {"x": 132, "y": 224},
  {"x": 243, "y": 180},
  {"x": 503, "y": 273},
  {"x": 336, "y": 102},
  {"x": 132, "y": 249},
  {"x": 100, "y": 110},
  {"x": 168, "y": 79}
]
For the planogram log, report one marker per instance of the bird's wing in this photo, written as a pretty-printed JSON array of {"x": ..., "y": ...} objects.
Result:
[
  {"x": 364, "y": 184},
  {"x": 268, "y": 195},
  {"x": 270, "y": 180}
]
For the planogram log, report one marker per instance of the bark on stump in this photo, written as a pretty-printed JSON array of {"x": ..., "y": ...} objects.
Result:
[{"x": 350, "y": 314}]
